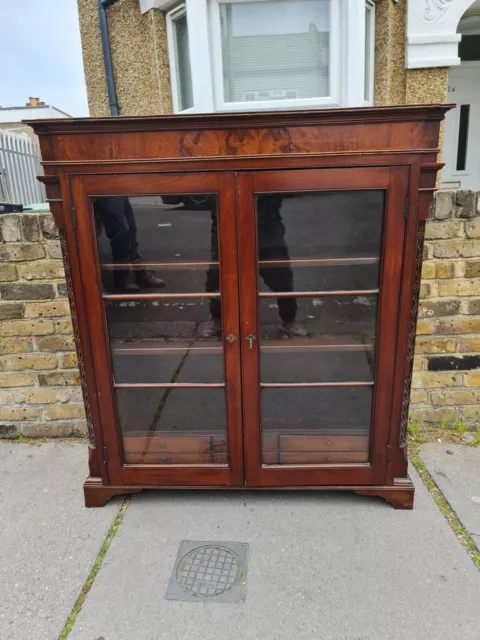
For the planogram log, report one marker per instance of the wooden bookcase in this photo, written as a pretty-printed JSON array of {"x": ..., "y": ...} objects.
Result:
[{"x": 244, "y": 292}]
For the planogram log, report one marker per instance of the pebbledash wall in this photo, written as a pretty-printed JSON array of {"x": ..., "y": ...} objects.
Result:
[{"x": 39, "y": 380}]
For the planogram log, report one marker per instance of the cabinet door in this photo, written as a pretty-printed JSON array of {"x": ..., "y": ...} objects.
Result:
[
  {"x": 159, "y": 270},
  {"x": 321, "y": 259}
]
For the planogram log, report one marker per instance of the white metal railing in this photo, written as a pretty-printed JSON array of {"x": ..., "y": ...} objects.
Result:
[{"x": 19, "y": 166}]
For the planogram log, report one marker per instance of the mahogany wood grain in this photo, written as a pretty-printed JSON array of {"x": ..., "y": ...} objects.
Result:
[{"x": 234, "y": 156}]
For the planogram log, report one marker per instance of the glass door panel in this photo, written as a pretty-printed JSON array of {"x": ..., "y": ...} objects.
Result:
[
  {"x": 312, "y": 359},
  {"x": 164, "y": 334},
  {"x": 159, "y": 263},
  {"x": 328, "y": 245}
]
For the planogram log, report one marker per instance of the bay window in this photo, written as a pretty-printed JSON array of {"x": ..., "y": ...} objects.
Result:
[{"x": 228, "y": 55}]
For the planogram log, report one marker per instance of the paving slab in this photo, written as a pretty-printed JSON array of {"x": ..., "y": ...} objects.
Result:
[
  {"x": 48, "y": 539},
  {"x": 323, "y": 566},
  {"x": 457, "y": 475}
]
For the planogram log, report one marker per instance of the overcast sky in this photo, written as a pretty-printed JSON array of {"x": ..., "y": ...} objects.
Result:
[{"x": 40, "y": 54}]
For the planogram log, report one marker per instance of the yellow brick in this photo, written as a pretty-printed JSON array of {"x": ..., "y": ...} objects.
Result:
[
  {"x": 8, "y": 380},
  {"x": 458, "y": 248},
  {"x": 450, "y": 229},
  {"x": 8, "y": 273},
  {"x": 56, "y": 343},
  {"x": 63, "y": 326},
  {"x": 459, "y": 287},
  {"x": 425, "y": 327},
  {"x": 26, "y": 328},
  {"x": 433, "y": 415},
  {"x": 435, "y": 345},
  {"x": 5, "y": 398},
  {"x": 42, "y": 396},
  {"x": 455, "y": 397},
  {"x": 47, "y": 309},
  {"x": 64, "y": 411},
  {"x": 42, "y": 270},
  {"x": 419, "y": 363},
  {"x": 470, "y": 344},
  {"x": 70, "y": 361},
  {"x": 418, "y": 397},
  {"x": 15, "y": 345},
  {"x": 471, "y": 414},
  {"x": 444, "y": 269},
  {"x": 36, "y": 361},
  {"x": 18, "y": 413},
  {"x": 458, "y": 326},
  {"x": 428, "y": 270},
  {"x": 472, "y": 379},
  {"x": 432, "y": 379},
  {"x": 472, "y": 228},
  {"x": 59, "y": 379}
]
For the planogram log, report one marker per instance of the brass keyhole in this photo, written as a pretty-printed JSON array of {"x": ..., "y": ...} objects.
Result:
[{"x": 250, "y": 339}]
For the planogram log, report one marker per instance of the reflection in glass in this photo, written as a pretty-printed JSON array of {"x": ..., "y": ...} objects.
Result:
[
  {"x": 173, "y": 426},
  {"x": 316, "y": 425},
  {"x": 318, "y": 243},
  {"x": 155, "y": 244}
]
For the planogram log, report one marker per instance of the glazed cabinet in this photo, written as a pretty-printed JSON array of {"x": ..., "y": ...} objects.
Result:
[{"x": 244, "y": 292}]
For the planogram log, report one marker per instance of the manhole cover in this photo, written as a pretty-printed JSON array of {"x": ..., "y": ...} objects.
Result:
[
  {"x": 209, "y": 571},
  {"x": 205, "y": 571}
]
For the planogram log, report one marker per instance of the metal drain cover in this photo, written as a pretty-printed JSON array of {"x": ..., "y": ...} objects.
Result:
[{"x": 209, "y": 571}]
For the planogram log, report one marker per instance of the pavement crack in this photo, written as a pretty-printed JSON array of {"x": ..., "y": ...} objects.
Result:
[{"x": 77, "y": 607}]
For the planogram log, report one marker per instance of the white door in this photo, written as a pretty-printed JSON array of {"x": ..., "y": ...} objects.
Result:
[{"x": 461, "y": 152}]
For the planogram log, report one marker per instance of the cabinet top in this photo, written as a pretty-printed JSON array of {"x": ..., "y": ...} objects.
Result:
[
  {"x": 247, "y": 120},
  {"x": 366, "y": 130}
]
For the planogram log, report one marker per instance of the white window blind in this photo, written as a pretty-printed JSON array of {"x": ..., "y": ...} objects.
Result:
[{"x": 275, "y": 50}]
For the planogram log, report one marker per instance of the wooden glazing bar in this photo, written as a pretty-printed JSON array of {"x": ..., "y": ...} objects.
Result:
[
  {"x": 312, "y": 385},
  {"x": 158, "y": 296},
  {"x": 316, "y": 294},
  {"x": 157, "y": 266},
  {"x": 169, "y": 385}
]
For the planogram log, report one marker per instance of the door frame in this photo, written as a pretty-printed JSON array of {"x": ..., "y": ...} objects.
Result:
[
  {"x": 395, "y": 181},
  {"x": 83, "y": 189}
]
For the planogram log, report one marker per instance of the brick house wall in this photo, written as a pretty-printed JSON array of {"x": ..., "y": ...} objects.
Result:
[
  {"x": 39, "y": 380},
  {"x": 446, "y": 380}
]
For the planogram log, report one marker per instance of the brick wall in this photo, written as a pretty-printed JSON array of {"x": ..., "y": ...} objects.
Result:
[
  {"x": 446, "y": 380},
  {"x": 39, "y": 381}
]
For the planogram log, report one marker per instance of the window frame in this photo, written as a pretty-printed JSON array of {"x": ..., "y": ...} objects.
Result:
[
  {"x": 333, "y": 100},
  {"x": 179, "y": 11},
  {"x": 346, "y": 69},
  {"x": 370, "y": 63}
]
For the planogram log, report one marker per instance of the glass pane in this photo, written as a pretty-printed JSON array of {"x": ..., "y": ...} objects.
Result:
[
  {"x": 275, "y": 50},
  {"x": 173, "y": 426},
  {"x": 184, "y": 74},
  {"x": 320, "y": 321},
  {"x": 166, "y": 244},
  {"x": 321, "y": 225},
  {"x": 463, "y": 126},
  {"x": 316, "y": 425},
  {"x": 168, "y": 340}
]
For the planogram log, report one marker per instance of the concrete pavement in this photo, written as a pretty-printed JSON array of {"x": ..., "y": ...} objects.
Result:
[
  {"x": 321, "y": 566},
  {"x": 48, "y": 540},
  {"x": 456, "y": 470}
]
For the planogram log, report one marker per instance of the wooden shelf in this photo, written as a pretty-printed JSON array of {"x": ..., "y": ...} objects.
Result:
[
  {"x": 293, "y": 262},
  {"x": 203, "y": 347}
]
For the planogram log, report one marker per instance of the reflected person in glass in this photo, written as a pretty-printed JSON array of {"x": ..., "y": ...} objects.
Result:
[
  {"x": 115, "y": 216},
  {"x": 278, "y": 277}
]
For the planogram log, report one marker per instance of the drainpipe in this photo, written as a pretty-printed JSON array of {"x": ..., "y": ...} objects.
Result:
[{"x": 107, "y": 55}]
